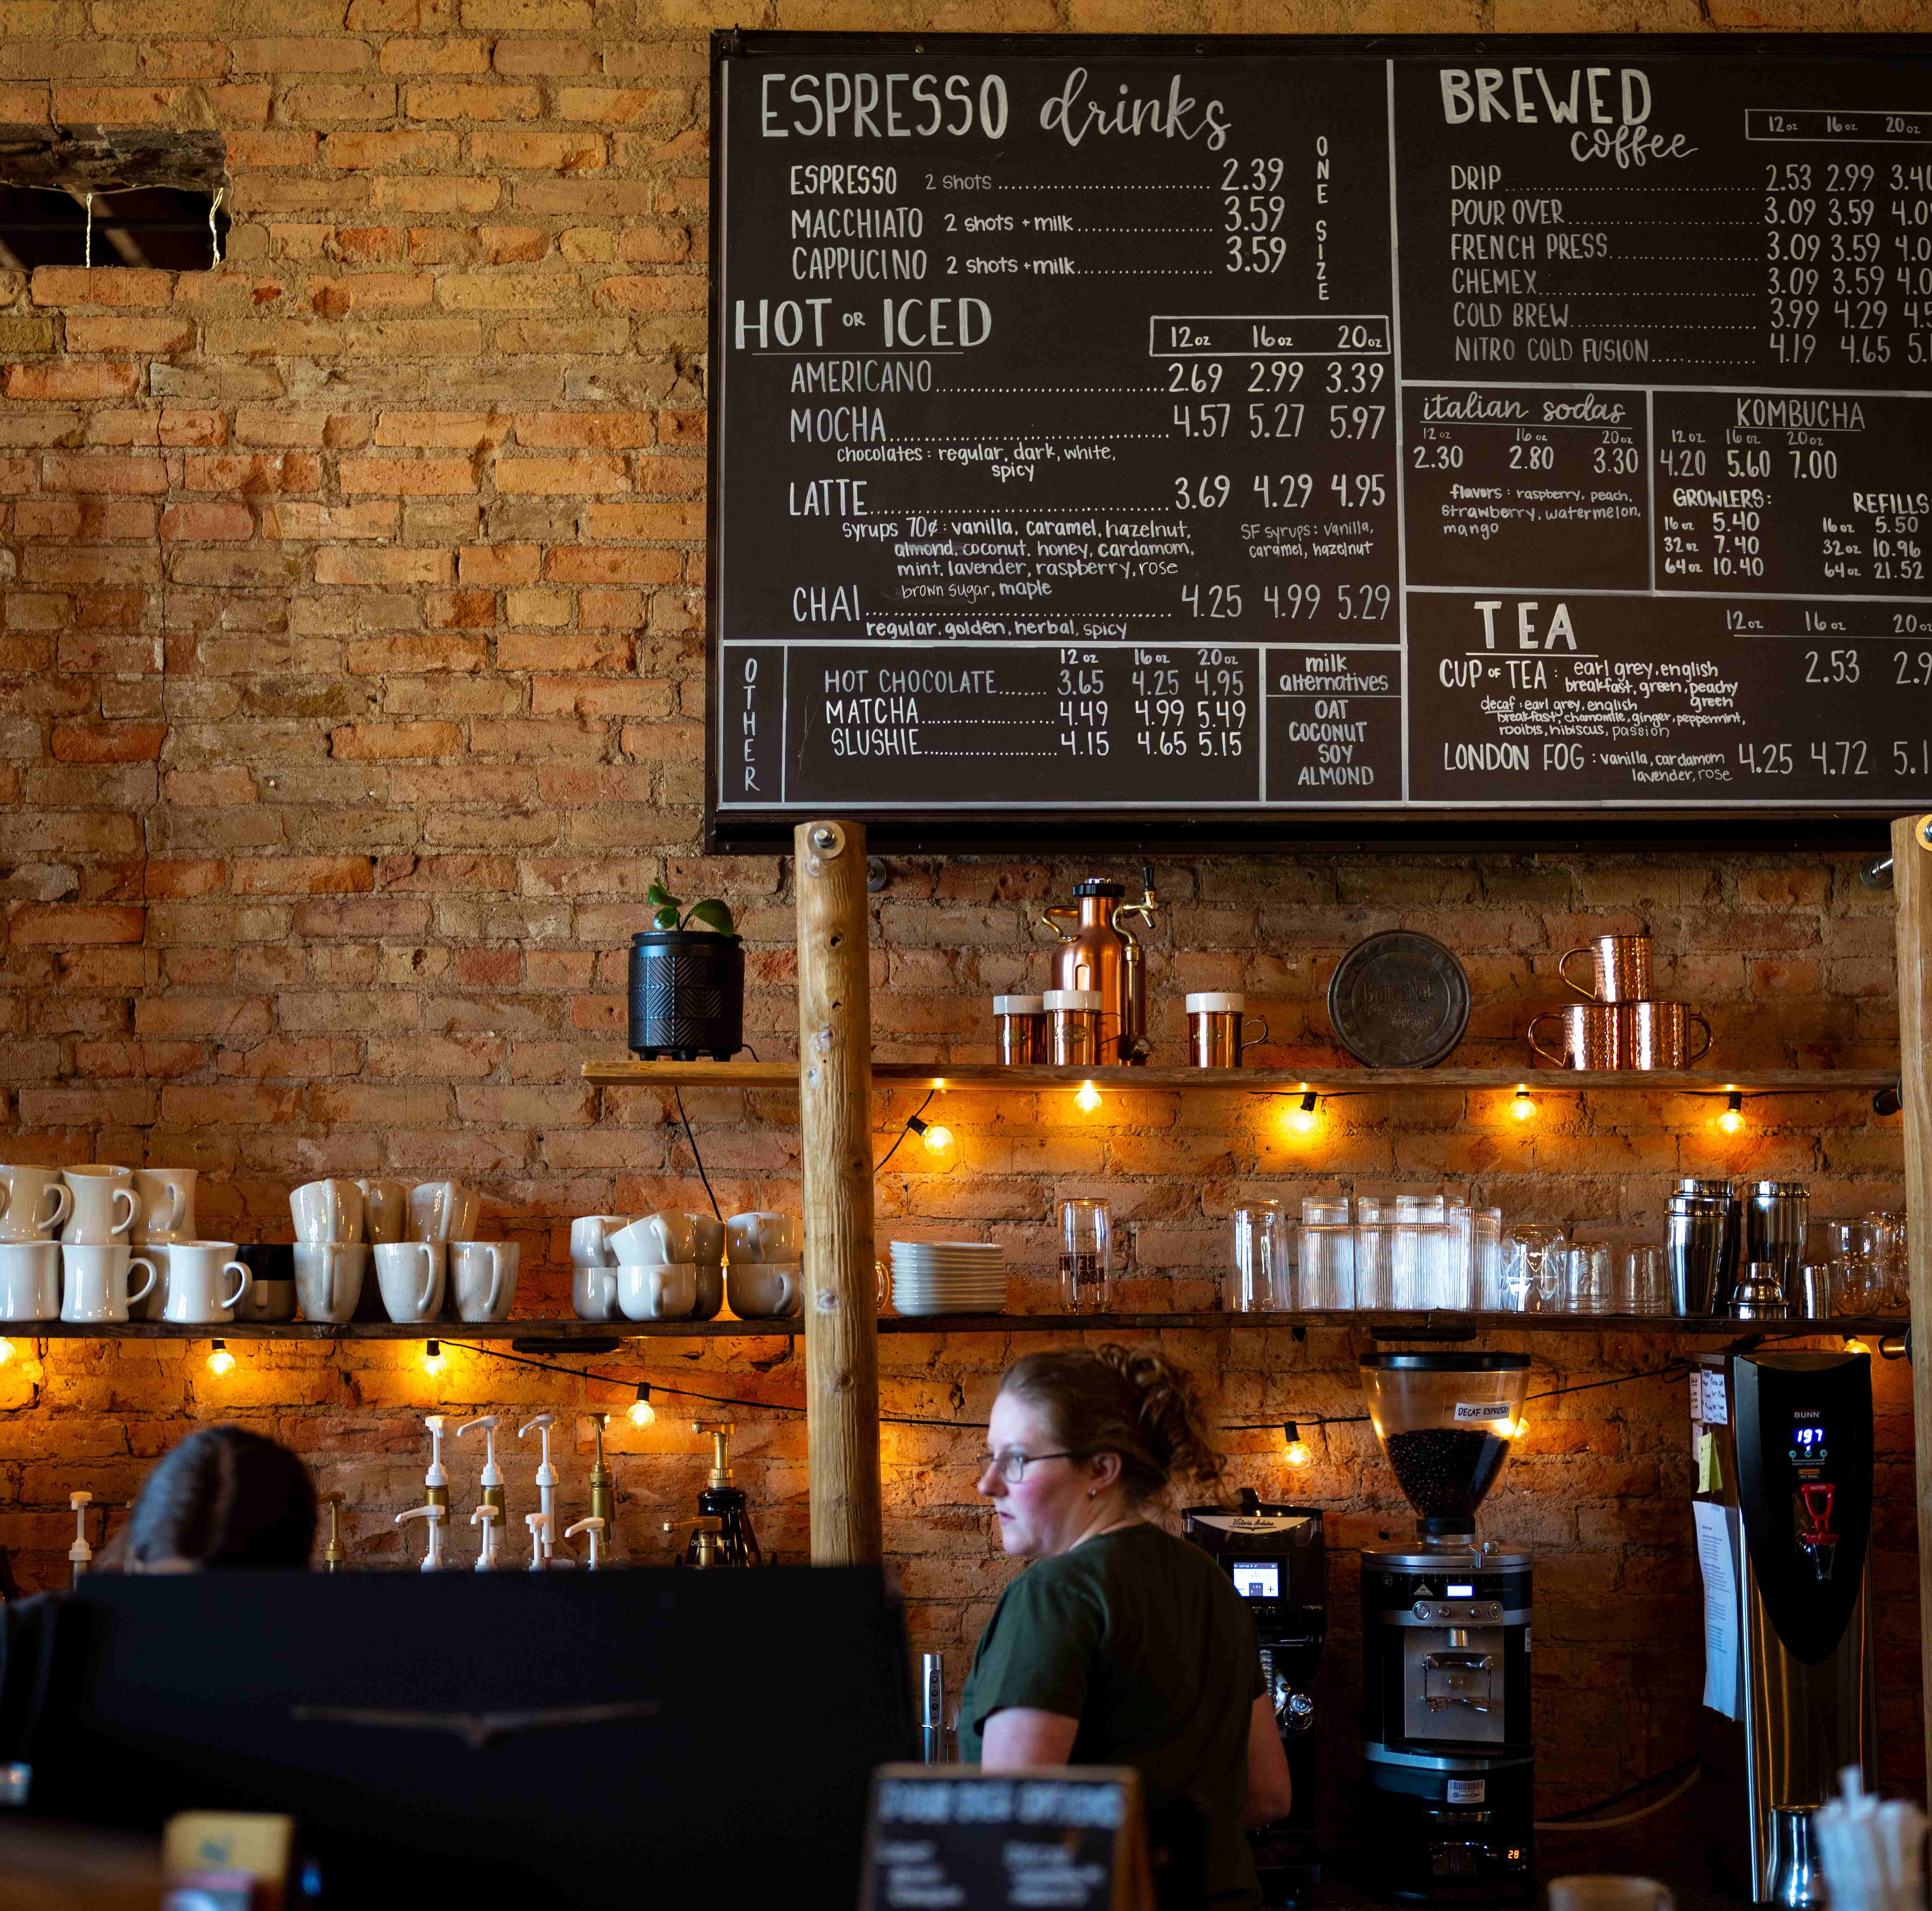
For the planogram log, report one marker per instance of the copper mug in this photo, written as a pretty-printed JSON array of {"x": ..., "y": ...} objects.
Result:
[
  {"x": 1657, "y": 1034},
  {"x": 1217, "y": 1031},
  {"x": 1623, "y": 970},
  {"x": 1593, "y": 1035}
]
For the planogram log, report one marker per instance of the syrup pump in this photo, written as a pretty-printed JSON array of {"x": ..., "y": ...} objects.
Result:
[
  {"x": 80, "y": 1554},
  {"x": 539, "y": 1525},
  {"x": 702, "y": 1549},
  {"x": 435, "y": 1482},
  {"x": 734, "y": 1544},
  {"x": 333, "y": 1557},
  {"x": 491, "y": 1517},
  {"x": 1097, "y": 951},
  {"x": 593, "y": 1524},
  {"x": 546, "y": 1484},
  {"x": 491, "y": 1480},
  {"x": 437, "y": 1518}
]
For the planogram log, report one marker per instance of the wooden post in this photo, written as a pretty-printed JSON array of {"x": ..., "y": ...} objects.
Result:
[
  {"x": 841, "y": 1315},
  {"x": 1912, "y": 884}
]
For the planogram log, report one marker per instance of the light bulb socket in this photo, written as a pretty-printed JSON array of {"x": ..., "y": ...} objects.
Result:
[
  {"x": 217, "y": 1346},
  {"x": 1290, "y": 1432},
  {"x": 914, "y": 1125},
  {"x": 643, "y": 1393},
  {"x": 432, "y": 1350},
  {"x": 1734, "y": 1104},
  {"x": 1308, "y": 1102}
]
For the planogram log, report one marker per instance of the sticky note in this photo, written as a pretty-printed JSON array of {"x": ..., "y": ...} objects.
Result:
[{"x": 1710, "y": 1479}]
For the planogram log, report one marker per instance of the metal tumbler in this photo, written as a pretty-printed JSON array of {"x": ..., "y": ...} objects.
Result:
[
  {"x": 1620, "y": 968},
  {"x": 1777, "y": 1214},
  {"x": 1697, "y": 1238}
]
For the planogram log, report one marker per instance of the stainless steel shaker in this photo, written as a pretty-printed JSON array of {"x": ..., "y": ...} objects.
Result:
[
  {"x": 1797, "y": 1878},
  {"x": 932, "y": 1708},
  {"x": 1697, "y": 1243},
  {"x": 1777, "y": 1214},
  {"x": 1731, "y": 1253}
]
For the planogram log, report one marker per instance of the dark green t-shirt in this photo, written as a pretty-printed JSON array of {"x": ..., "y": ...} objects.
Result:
[{"x": 1142, "y": 1638}]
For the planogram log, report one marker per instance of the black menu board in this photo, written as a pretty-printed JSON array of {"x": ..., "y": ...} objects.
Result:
[{"x": 1167, "y": 440}]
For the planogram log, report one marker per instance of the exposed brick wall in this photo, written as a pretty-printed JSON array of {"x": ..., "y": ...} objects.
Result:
[{"x": 351, "y": 684}]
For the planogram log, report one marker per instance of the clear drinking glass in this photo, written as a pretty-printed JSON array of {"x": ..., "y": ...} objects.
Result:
[
  {"x": 1259, "y": 1283},
  {"x": 1588, "y": 1289},
  {"x": 1325, "y": 1280},
  {"x": 1086, "y": 1257},
  {"x": 1375, "y": 1252},
  {"x": 1882, "y": 1235},
  {"x": 1643, "y": 1279},
  {"x": 1486, "y": 1261},
  {"x": 1536, "y": 1262}
]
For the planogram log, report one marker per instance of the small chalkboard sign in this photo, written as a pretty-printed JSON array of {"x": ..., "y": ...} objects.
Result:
[{"x": 958, "y": 1838}]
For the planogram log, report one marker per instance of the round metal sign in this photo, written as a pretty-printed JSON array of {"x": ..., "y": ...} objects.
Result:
[{"x": 1399, "y": 1000}]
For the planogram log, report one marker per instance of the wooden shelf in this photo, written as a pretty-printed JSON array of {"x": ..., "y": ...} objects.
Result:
[
  {"x": 1386, "y": 1325},
  {"x": 968, "y": 1075}
]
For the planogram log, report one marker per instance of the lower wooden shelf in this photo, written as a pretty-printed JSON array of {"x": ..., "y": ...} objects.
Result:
[{"x": 1388, "y": 1326}]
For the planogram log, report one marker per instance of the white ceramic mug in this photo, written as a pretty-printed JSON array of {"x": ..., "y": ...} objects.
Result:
[
  {"x": 663, "y": 1239},
  {"x": 196, "y": 1271},
  {"x": 385, "y": 1210},
  {"x": 707, "y": 1234},
  {"x": 762, "y": 1291},
  {"x": 760, "y": 1235},
  {"x": 167, "y": 1205},
  {"x": 657, "y": 1294},
  {"x": 34, "y": 1201},
  {"x": 710, "y": 1291},
  {"x": 1607, "y": 1892},
  {"x": 105, "y": 1205},
  {"x": 328, "y": 1277},
  {"x": 444, "y": 1210},
  {"x": 93, "y": 1282},
  {"x": 327, "y": 1211},
  {"x": 590, "y": 1239},
  {"x": 484, "y": 1274},
  {"x": 30, "y": 1280},
  {"x": 593, "y": 1292},
  {"x": 411, "y": 1275}
]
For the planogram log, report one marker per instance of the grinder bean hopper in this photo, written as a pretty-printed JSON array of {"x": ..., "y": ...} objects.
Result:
[{"x": 1449, "y": 1761}]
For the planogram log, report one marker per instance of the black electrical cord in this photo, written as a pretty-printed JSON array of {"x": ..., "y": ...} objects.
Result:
[
  {"x": 677, "y": 1095},
  {"x": 1617, "y": 1797},
  {"x": 903, "y": 1132}
]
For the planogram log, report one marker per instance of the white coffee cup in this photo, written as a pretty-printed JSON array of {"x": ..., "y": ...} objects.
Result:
[
  {"x": 707, "y": 1240},
  {"x": 196, "y": 1272},
  {"x": 593, "y": 1292},
  {"x": 590, "y": 1239},
  {"x": 484, "y": 1274},
  {"x": 328, "y": 1277},
  {"x": 94, "y": 1281},
  {"x": 411, "y": 1274},
  {"x": 167, "y": 1205},
  {"x": 105, "y": 1205},
  {"x": 762, "y": 1235},
  {"x": 385, "y": 1210},
  {"x": 656, "y": 1293},
  {"x": 327, "y": 1211},
  {"x": 710, "y": 1291},
  {"x": 763, "y": 1291},
  {"x": 444, "y": 1210},
  {"x": 34, "y": 1201},
  {"x": 30, "y": 1280},
  {"x": 663, "y": 1239}
]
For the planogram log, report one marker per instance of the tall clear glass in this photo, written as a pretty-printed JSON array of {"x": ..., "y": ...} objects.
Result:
[
  {"x": 1375, "y": 1252},
  {"x": 1086, "y": 1258},
  {"x": 1325, "y": 1278},
  {"x": 1260, "y": 1282},
  {"x": 1486, "y": 1260},
  {"x": 1588, "y": 1289},
  {"x": 1536, "y": 1262}
]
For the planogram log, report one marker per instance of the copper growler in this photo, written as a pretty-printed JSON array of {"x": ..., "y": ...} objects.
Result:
[{"x": 1097, "y": 951}]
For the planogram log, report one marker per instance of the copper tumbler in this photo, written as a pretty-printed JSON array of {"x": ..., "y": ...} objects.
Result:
[
  {"x": 1073, "y": 1025},
  {"x": 1216, "y": 1032},
  {"x": 1623, "y": 972},
  {"x": 1021, "y": 1022},
  {"x": 1593, "y": 1035},
  {"x": 1657, "y": 1034}
]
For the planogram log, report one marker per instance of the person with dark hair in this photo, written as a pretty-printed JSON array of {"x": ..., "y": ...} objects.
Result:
[
  {"x": 223, "y": 1500},
  {"x": 1120, "y": 1644}
]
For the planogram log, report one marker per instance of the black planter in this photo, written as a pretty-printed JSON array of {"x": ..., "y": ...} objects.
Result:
[{"x": 687, "y": 994}]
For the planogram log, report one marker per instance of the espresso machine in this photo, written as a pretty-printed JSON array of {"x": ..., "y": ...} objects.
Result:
[
  {"x": 1098, "y": 951},
  {"x": 1449, "y": 1761},
  {"x": 1274, "y": 1554},
  {"x": 1783, "y": 1444}
]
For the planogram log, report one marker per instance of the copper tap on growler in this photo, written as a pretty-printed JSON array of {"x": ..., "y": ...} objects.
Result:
[{"x": 1098, "y": 951}]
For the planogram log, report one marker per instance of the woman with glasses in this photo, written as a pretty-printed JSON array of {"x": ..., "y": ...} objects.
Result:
[{"x": 1120, "y": 1644}]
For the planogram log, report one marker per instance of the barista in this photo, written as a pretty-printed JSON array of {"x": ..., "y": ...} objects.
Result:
[
  {"x": 222, "y": 1499},
  {"x": 1121, "y": 1644}
]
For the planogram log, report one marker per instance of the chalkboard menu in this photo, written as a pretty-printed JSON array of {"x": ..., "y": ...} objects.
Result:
[{"x": 1274, "y": 438}]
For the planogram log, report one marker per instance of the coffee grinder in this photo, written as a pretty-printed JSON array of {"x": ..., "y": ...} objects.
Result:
[
  {"x": 1450, "y": 1764},
  {"x": 1784, "y": 1443},
  {"x": 1275, "y": 1556}
]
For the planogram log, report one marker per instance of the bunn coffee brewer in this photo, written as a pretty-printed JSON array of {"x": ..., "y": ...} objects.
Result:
[
  {"x": 1275, "y": 1556},
  {"x": 1449, "y": 1764},
  {"x": 1789, "y": 1462}
]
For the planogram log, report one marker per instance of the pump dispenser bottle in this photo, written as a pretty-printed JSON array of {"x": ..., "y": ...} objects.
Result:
[
  {"x": 435, "y": 1482},
  {"x": 539, "y": 1525},
  {"x": 491, "y": 1519},
  {"x": 735, "y": 1544},
  {"x": 491, "y": 1480},
  {"x": 603, "y": 1487},
  {"x": 593, "y": 1524},
  {"x": 80, "y": 1555},
  {"x": 333, "y": 1557},
  {"x": 436, "y": 1518},
  {"x": 546, "y": 1482}
]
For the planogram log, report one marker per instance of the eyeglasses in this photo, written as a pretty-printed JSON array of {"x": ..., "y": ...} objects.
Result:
[{"x": 1012, "y": 1464}]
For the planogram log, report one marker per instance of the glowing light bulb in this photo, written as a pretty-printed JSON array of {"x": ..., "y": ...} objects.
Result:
[
  {"x": 1297, "y": 1453},
  {"x": 433, "y": 1362},
  {"x": 1088, "y": 1099},
  {"x": 938, "y": 1138},
  {"x": 642, "y": 1412},
  {"x": 1855, "y": 1346},
  {"x": 6, "y": 1352},
  {"x": 1304, "y": 1120},
  {"x": 1732, "y": 1118},
  {"x": 1515, "y": 1429},
  {"x": 1522, "y": 1108},
  {"x": 219, "y": 1360}
]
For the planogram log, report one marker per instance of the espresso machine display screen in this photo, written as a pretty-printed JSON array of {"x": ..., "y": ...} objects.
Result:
[{"x": 1257, "y": 1579}]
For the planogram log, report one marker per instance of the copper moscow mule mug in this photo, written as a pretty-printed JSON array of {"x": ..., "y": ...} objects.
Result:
[
  {"x": 1623, "y": 968},
  {"x": 1657, "y": 1034},
  {"x": 1593, "y": 1035}
]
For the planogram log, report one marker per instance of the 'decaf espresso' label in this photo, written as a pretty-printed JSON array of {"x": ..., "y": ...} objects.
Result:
[{"x": 1482, "y": 1409}]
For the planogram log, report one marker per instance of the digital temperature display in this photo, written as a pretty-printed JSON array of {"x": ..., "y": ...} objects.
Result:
[{"x": 1807, "y": 1445}]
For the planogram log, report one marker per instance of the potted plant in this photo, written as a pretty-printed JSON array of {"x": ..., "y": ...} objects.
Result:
[{"x": 687, "y": 981}]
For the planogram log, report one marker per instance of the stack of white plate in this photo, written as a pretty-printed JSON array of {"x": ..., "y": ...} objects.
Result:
[{"x": 948, "y": 1277}]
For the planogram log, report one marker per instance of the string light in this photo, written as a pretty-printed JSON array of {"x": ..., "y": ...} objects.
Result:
[
  {"x": 1732, "y": 1118},
  {"x": 1304, "y": 1120},
  {"x": 1088, "y": 1099},
  {"x": 936, "y": 1136},
  {"x": 1297, "y": 1453},
  {"x": 642, "y": 1412},
  {"x": 219, "y": 1360},
  {"x": 6, "y": 1352},
  {"x": 1523, "y": 1107},
  {"x": 433, "y": 1362}
]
